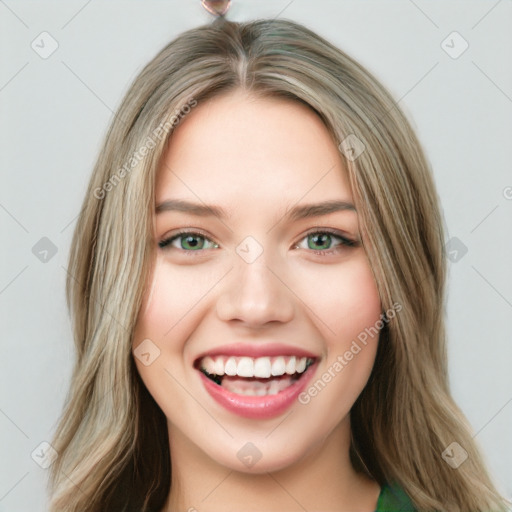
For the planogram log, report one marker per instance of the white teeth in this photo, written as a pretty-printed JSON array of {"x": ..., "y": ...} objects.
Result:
[
  {"x": 257, "y": 388},
  {"x": 209, "y": 364},
  {"x": 262, "y": 367},
  {"x": 273, "y": 389},
  {"x": 248, "y": 367},
  {"x": 301, "y": 365},
  {"x": 290, "y": 366},
  {"x": 245, "y": 367},
  {"x": 278, "y": 366},
  {"x": 218, "y": 368},
  {"x": 230, "y": 368}
]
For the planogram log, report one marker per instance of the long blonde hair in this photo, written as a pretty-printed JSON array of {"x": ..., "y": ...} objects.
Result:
[{"x": 112, "y": 444}]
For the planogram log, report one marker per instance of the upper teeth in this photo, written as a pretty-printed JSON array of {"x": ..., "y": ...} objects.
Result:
[{"x": 263, "y": 367}]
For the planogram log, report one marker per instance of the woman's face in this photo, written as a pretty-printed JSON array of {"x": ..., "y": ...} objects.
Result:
[{"x": 250, "y": 334}]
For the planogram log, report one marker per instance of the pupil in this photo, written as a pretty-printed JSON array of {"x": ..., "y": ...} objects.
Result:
[
  {"x": 321, "y": 241},
  {"x": 191, "y": 242}
]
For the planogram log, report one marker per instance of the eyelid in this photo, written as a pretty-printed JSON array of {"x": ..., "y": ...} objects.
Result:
[
  {"x": 347, "y": 239},
  {"x": 167, "y": 239}
]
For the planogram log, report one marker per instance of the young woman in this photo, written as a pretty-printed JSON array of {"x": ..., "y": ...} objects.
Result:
[{"x": 257, "y": 280}]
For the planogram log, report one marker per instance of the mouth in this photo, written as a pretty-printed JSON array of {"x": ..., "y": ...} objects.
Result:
[
  {"x": 250, "y": 376},
  {"x": 255, "y": 387}
]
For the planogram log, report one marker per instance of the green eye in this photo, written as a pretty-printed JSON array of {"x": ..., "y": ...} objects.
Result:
[
  {"x": 188, "y": 241},
  {"x": 192, "y": 242},
  {"x": 325, "y": 242},
  {"x": 319, "y": 241}
]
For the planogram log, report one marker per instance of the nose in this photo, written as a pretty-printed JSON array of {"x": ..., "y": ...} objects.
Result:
[{"x": 255, "y": 294}]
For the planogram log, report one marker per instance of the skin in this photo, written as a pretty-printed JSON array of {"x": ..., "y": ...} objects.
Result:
[{"x": 256, "y": 158}]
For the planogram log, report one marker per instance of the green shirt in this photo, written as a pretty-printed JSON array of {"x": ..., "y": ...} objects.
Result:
[{"x": 392, "y": 498}]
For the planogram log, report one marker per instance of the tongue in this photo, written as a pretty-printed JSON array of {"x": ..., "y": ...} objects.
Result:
[{"x": 260, "y": 387}]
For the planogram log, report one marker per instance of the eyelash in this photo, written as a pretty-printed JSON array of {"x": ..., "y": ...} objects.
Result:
[{"x": 345, "y": 242}]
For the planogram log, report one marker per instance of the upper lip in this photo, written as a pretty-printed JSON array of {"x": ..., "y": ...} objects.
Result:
[{"x": 242, "y": 349}]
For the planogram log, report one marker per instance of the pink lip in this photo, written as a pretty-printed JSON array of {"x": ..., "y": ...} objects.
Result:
[
  {"x": 258, "y": 350},
  {"x": 258, "y": 407}
]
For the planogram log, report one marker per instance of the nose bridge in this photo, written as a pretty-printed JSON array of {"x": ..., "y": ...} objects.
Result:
[{"x": 253, "y": 293}]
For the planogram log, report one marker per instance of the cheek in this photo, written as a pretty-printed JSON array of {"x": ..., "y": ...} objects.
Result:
[
  {"x": 170, "y": 309},
  {"x": 171, "y": 303},
  {"x": 344, "y": 298},
  {"x": 359, "y": 302},
  {"x": 350, "y": 308}
]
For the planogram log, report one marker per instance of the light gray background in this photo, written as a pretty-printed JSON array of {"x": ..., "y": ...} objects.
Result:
[{"x": 55, "y": 111}]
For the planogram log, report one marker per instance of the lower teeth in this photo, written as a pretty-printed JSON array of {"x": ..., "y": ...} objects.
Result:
[
  {"x": 257, "y": 388},
  {"x": 254, "y": 387}
]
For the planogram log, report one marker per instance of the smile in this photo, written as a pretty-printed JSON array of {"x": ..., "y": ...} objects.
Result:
[
  {"x": 255, "y": 387},
  {"x": 254, "y": 377}
]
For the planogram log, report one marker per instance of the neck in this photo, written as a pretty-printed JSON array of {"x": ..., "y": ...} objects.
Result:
[{"x": 324, "y": 479}]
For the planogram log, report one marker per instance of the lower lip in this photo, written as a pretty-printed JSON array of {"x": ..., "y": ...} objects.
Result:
[{"x": 258, "y": 407}]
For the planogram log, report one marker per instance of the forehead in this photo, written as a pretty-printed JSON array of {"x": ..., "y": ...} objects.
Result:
[{"x": 237, "y": 145}]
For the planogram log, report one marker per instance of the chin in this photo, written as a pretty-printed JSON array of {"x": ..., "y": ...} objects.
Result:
[{"x": 259, "y": 453}]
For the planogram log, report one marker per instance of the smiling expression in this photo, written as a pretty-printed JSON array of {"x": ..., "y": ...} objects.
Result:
[{"x": 259, "y": 283}]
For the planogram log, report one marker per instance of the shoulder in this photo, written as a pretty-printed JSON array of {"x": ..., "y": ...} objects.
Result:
[{"x": 392, "y": 498}]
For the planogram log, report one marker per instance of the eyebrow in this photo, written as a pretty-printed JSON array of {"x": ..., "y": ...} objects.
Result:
[{"x": 296, "y": 213}]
